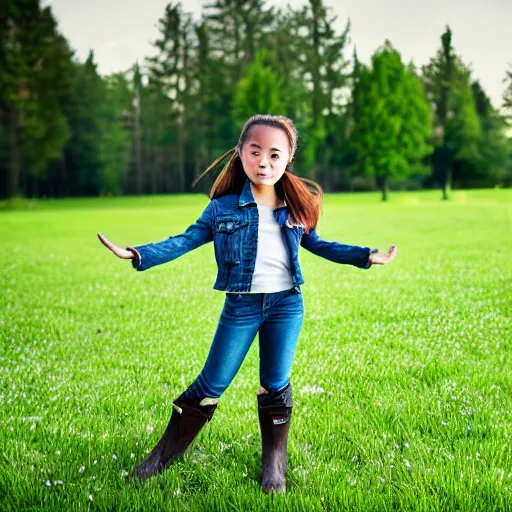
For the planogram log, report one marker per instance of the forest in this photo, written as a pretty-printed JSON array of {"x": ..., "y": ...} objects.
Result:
[{"x": 66, "y": 130}]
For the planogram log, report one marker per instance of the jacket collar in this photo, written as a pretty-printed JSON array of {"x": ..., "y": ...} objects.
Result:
[{"x": 246, "y": 196}]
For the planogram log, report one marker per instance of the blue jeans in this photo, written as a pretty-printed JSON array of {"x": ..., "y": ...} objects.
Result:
[{"x": 277, "y": 317}]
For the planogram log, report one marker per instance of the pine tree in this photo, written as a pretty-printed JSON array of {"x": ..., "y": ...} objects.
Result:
[
  {"x": 116, "y": 139},
  {"x": 507, "y": 95},
  {"x": 85, "y": 113},
  {"x": 457, "y": 127},
  {"x": 36, "y": 63},
  {"x": 258, "y": 92},
  {"x": 172, "y": 72},
  {"x": 324, "y": 71}
]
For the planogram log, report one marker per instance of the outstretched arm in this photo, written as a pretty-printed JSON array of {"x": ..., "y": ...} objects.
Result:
[
  {"x": 361, "y": 257},
  {"x": 146, "y": 256}
]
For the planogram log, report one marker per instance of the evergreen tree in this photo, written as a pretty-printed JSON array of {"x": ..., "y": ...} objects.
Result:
[
  {"x": 85, "y": 113},
  {"x": 324, "y": 71},
  {"x": 258, "y": 92},
  {"x": 488, "y": 167},
  {"x": 507, "y": 95},
  {"x": 236, "y": 29},
  {"x": 116, "y": 141},
  {"x": 172, "y": 72},
  {"x": 457, "y": 127},
  {"x": 35, "y": 69}
]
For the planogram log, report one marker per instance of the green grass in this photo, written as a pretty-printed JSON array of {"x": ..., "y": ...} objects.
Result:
[{"x": 402, "y": 377}]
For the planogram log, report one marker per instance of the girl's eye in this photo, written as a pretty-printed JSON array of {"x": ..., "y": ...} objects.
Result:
[
  {"x": 275, "y": 154},
  {"x": 255, "y": 153}
]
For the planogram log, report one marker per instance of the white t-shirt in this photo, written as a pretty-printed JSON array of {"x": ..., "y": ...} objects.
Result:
[{"x": 272, "y": 268}]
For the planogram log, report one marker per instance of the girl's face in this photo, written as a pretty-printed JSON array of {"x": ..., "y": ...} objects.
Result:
[{"x": 265, "y": 154}]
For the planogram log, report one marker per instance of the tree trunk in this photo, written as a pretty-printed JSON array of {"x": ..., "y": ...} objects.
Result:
[
  {"x": 181, "y": 155},
  {"x": 138, "y": 158},
  {"x": 447, "y": 183},
  {"x": 384, "y": 188},
  {"x": 14, "y": 151}
]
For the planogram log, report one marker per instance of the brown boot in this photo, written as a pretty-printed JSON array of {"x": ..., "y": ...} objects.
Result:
[
  {"x": 274, "y": 413},
  {"x": 187, "y": 419}
]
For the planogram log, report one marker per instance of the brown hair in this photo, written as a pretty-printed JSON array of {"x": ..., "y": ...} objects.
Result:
[{"x": 303, "y": 197}]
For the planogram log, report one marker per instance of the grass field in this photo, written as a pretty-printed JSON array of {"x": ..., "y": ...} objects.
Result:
[{"x": 402, "y": 378}]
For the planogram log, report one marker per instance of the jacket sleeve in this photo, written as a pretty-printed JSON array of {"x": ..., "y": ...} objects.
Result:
[
  {"x": 197, "y": 234},
  {"x": 337, "y": 252}
]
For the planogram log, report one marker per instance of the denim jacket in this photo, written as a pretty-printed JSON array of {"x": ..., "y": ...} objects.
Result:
[{"x": 231, "y": 222}]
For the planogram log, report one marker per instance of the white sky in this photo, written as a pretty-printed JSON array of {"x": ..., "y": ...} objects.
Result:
[{"x": 120, "y": 31}]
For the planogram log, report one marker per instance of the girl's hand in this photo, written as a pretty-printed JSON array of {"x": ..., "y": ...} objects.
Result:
[
  {"x": 125, "y": 254},
  {"x": 381, "y": 258}
]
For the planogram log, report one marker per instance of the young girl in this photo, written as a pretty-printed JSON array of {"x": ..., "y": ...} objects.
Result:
[{"x": 258, "y": 216}]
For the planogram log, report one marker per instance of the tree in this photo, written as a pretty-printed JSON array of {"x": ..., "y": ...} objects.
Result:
[
  {"x": 258, "y": 92},
  {"x": 323, "y": 69},
  {"x": 35, "y": 70},
  {"x": 172, "y": 72},
  {"x": 457, "y": 127},
  {"x": 116, "y": 141},
  {"x": 488, "y": 166},
  {"x": 507, "y": 95},
  {"x": 393, "y": 122},
  {"x": 85, "y": 113}
]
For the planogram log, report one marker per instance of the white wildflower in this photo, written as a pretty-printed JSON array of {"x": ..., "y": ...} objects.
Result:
[
  {"x": 90, "y": 497},
  {"x": 407, "y": 464},
  {"x": 48, "y": 483},
  {"x": 132, "y": 455},
  {"x": 149, "y": 429},
  {"x": 312, "y": 389},
  {"x": 114, "y": 456},
  {"x": 57, "y": 452},
  {"x": 82, "y": 469}
]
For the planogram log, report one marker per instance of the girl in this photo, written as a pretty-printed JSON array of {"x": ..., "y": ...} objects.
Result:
[{"x": 258, "y": 215}]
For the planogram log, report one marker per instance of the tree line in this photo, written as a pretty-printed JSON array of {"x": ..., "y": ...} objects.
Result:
[{"x": 65, "y": 130}]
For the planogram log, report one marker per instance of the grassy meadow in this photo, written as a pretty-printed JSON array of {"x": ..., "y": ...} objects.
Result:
[{"x": 402, "y": 379}]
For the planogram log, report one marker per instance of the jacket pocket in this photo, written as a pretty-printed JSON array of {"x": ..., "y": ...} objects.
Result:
[{"x": 228, "y": 239}]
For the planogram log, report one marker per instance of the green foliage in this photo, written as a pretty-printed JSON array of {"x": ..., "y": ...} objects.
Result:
[
  {"x": 35, "y": 71},
  {"x": 258, "y": 92},
  {"x": 457, "y": 124},
  {"x": 394, "y": 121},
  {"x": 66, "y": 130},
  {"x": 116, "y": 137},
  {"x": 85, "y": 113},
  {"x": 323, "y": 70}
]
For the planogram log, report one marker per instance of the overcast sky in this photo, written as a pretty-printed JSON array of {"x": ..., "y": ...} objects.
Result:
[{"x": 121, "y": 31}]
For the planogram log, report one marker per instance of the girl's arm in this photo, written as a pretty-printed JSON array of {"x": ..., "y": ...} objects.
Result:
[
  {"x": 199, "y": 233},
  {"x": 337, "y": 252}
]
